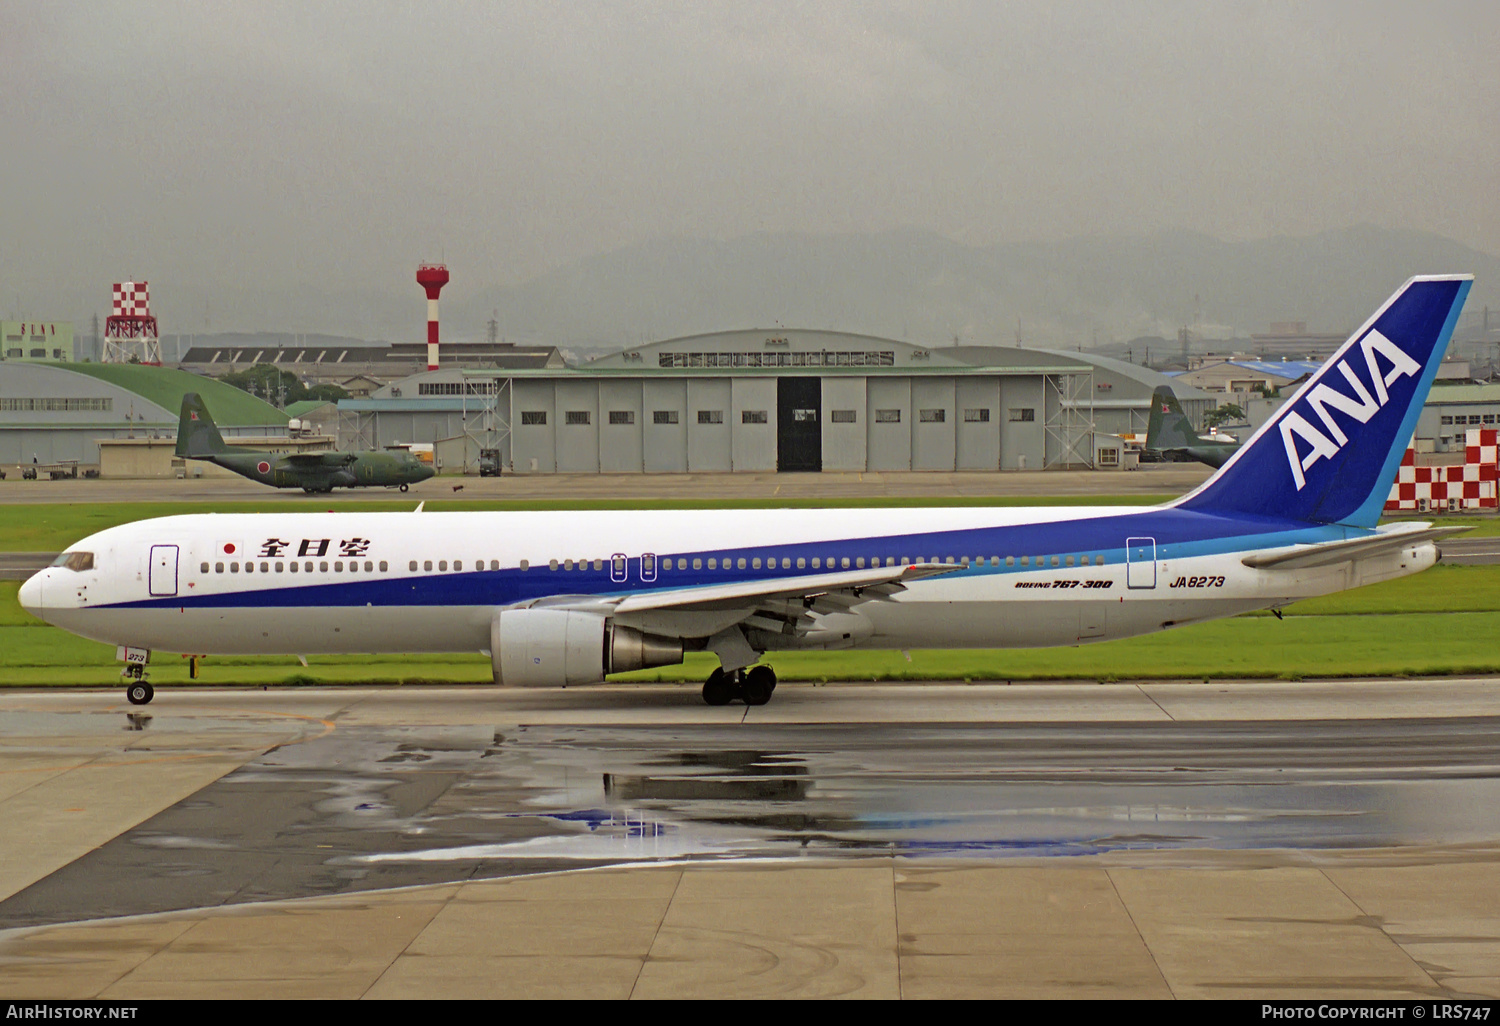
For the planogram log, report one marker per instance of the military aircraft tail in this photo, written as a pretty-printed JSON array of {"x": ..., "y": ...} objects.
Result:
[
  {"x": 1169, "y": 427},
  {"x": 196, "y": 434}
]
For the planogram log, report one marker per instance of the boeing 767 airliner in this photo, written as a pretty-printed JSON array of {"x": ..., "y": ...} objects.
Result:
[{"x": 567, "y": 598}]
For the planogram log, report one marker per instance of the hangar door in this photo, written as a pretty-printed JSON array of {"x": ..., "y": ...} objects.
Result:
[{"x": 799, "y": 423}]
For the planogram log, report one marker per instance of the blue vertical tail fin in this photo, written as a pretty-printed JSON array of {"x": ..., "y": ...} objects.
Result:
[{"x": 1330, "y": 453}]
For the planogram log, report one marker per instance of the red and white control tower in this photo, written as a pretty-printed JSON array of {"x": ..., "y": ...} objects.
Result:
[
  {"x": 432, "y": 277},
  {"x": 130, "y": 331}
]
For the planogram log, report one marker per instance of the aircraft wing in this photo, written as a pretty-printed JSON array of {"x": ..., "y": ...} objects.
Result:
[
  {"x": 321, "y": 459},
  {"x": 778, "y": 605},
  {"x": 839, "y": 590},
  {"x": 1297, "y": 557}
]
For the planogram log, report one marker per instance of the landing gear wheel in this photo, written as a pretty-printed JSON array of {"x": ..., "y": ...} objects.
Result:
[
  {"x": 404, "y": 487},
  {"x": 719, "y": 689},
  {"x": 139, "y": 693},
  {"x": 760, "y": 681}
]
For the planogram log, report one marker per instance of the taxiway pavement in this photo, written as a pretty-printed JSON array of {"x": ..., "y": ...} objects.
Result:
[{"x": 1152, "y": 479}]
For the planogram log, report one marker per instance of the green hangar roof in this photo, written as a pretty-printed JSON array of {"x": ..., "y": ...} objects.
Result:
[{"x": 165, "y": 387}]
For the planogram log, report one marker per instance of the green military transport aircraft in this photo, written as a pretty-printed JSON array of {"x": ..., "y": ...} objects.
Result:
[
  {"x": 1171, "y": 434},
  {"x": 199, "y": 439}
]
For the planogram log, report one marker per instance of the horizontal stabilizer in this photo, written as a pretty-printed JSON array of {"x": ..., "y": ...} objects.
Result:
[{"x": 1299, "y": 557}]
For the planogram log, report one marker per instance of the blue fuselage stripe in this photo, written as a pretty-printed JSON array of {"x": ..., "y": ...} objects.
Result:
[{"x": 1178, "y": 533}]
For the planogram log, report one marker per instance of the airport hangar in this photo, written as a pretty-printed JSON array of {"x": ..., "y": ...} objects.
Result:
[
  {"x": 55, "y": 412},
  {"x": 773, "y": 400}
]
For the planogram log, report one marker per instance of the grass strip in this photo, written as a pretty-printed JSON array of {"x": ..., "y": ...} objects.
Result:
[{"x": 1398, "y": 644}]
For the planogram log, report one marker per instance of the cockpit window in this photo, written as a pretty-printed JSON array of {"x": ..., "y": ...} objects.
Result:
[{"x": 75, "y": 560}]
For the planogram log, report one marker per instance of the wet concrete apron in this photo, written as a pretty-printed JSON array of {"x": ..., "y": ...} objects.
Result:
[{"x": 367, "y": 807}]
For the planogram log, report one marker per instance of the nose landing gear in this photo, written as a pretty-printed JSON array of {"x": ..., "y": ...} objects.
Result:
[
  {"x": 752, "y": 686},
  {"x": 137, "y": 690}
]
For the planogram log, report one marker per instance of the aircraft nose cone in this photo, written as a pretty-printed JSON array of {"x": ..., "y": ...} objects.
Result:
[
  {"x": 30, "y": 595},
  {"x": 425, "y": 472}
]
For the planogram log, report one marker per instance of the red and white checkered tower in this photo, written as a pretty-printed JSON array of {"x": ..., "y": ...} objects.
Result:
[
  {"x": 432, "y": 277},
  {"x": 130, "y": 331}
]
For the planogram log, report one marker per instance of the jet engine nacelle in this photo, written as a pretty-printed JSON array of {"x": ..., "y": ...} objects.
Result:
[{"x": 553, "y": 647}]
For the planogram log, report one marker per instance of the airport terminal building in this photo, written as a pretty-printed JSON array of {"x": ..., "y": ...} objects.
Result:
[{"x": 777, "y": 400}]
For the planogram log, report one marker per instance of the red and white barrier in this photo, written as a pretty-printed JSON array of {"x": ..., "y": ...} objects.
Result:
[{"x": 1469, "y": 485}]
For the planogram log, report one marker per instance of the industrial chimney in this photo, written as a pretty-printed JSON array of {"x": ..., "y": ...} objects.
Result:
[{"x": 432, "y": 277}]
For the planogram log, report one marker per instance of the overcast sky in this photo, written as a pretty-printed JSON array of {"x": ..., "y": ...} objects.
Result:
[{"x": 262, "y": 147}]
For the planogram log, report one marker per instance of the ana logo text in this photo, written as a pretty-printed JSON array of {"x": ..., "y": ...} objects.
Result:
[{"x": 1361, "y": 406}]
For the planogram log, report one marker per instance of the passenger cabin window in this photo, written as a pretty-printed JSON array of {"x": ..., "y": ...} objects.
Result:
[
  {"x": 382, "y": 566},
  {"x": 413, "y": 566},
  {"x": 203, "y": 568}
]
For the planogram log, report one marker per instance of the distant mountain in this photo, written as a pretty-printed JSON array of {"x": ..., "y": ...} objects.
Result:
[{"x": 924, "y": 287}]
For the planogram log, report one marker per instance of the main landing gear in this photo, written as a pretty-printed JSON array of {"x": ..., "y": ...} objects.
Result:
[
  {"x": 752, "y": 686},
  {"x": 137, "y": 690}
]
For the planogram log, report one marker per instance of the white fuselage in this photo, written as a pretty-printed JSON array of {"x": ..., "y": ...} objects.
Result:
[{"x": 432, "y": 582}]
